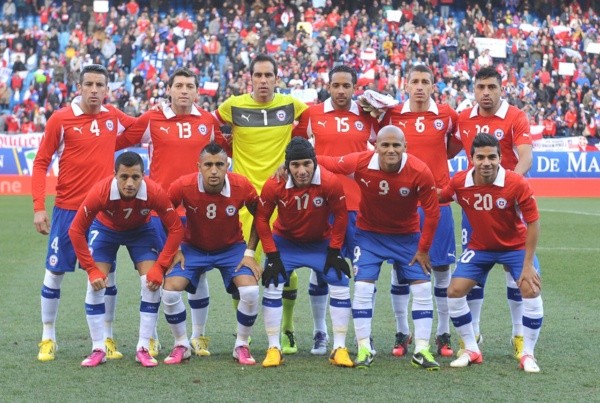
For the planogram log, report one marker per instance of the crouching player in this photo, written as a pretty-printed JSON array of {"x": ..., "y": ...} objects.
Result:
[
  {"x": 213, "y": 239},
  {"x": 494, "y": 200},
  {"x": 117, "y": 212},
  {"x": 303, "y": 237}
]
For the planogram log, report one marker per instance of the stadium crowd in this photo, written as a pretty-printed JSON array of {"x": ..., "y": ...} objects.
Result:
[{"x": 44, "y": 45}]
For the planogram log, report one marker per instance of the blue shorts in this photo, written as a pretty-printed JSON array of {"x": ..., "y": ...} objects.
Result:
[
  {"x": 476, "y": 264},
  {"x": 443, "y": 247},
  {"x": 372, "y": 249},
  {"x": 198, "y": 262},
  {"x": 61, "y": 256},
  {"x": 142, "y": 242},
  {"x": 160, "y": 228},
  {"x": 307, "y": 254},
  {"x": 466, "y": 230}
]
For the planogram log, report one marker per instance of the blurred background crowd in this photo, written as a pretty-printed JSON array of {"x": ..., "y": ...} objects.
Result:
[{"x": 44, "y": 44}]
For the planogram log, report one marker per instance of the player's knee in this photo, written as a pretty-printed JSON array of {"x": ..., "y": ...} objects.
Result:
[
  {"x": 339, "y": 292},
  {"x": 527, "y": 291},
  {"x": 272, "y": 292},
  {"x": 249, "y": 294},
  {"x": 170, "y": 297}
]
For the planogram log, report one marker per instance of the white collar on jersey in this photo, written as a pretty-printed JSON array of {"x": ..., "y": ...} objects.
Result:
[
  {"x": 226, "y": 191},
  {"x": 77, "y": 111},
  {"x": 168, "y": 112},
  {"x": 432, "y": 107},
  {"x": 499, "y": 181},
  {"x": 328, "y": 106},
  {"x": 316, "y": 180},
  {"x": 142, "y": 194},
  {"x": 501, "y": 112},
  {"x": 374, "y": 163}
]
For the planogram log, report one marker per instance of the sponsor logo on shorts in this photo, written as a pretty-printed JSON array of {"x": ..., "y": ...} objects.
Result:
[{"x": 53, "y": 260}]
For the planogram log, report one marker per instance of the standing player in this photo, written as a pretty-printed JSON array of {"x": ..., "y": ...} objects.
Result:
[
  {"x": 213, "y": 238},
  {"x": 262, "y": 124},
  {"x": 303, "y": 237},
  {"x": 337, "y": 127},
  {"x": 392, "y": 183},
  {"x": 121, "y": 208},
  {"x": 83, "y": 136},
  {"x": 176, "y": 134},
  {"x": 509, "y": 125},
  {"x": 503, "y": 213},
  {"x": 427, "y": 126}
]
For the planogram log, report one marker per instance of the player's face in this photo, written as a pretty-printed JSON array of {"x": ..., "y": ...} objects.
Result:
[
  {"x": 183, "y": 92},
  {"x": 213, "y": 169},
  {"x": 93, "y": 91},
  {"x": 341, "y": 90},
  {"x": 390, "y": 146},
  {"x": 263, "y": 81},
  {"x": 302, "y": 172},
  {"x": 129, "y": 180},
  {"x": 487, "y": 94},
  {"x": 419, "y": 87},
  {"x": 486, "y": 161}
]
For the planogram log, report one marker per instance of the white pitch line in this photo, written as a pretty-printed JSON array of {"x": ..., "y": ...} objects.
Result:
[
  {"x": 570, "y": 212},
  {"x": 564, "y": 248}
]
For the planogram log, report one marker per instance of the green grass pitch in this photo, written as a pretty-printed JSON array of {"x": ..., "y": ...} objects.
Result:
[{"x": 567, "y": 351}]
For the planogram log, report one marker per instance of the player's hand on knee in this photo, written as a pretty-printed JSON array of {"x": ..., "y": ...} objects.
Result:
[
  {"x": 273, "y": 269},
  {"x": 41, "y": 222},
  {"x": 252, "y": 264},
  {"x": 178, "y": 258},
  {"x": 529, "y": 282},
  {"x": 337, "y": 261},
  {"x": 423, "y": 259},
  {"x": 154, "y": 277},
  {"x": 97, "y": 278}
]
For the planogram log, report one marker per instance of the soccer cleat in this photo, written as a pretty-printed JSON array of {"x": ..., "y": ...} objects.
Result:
[
  {"x": 288, "y": 343},
  {"x": 111, "y": 349},
  {"x": 461, "y": 344},
  {"x": 320, "y": 345},
  {"x": 93, "y": 360},
  {"x": 155, "y": 347},
  {"x": 48, "y": 348},
  {"x": 529, "y": 364},
  {"x": 442, "y": 342},
  {"x": 401, "y": 345},
  {"x": 372, "y": 343},
  {"x": 467, "y": 358},
  {"x": 177, "y": 355},
  {"x": 274, "y": 358},
  {"x": 424, "y": 359},
  {"x": 243, "y": 356},
  {"x": 517, "y": 343},
  {"x": 200, "y": 346},
  {"x": 364, "y": 358},
  {"x": 143, "y": 357},
  {"x": 341, "y": 358}
]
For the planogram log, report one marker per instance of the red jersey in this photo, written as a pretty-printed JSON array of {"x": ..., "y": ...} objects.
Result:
[
  {"x": 338, "y": 133},
  {"x": 303, "y": 213},
  {"x": 388, "y": 202},
  {"x": 509, "y": 125},
  {"x": 85, "y": 145},
  {"x": 104, "y": 203},
  {"x": 494, "y": 211},
  {"x": 426, "y": 135},
  {"x": 213, "y": 221}
]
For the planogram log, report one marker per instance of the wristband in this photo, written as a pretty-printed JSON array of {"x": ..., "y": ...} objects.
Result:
[{"x": 249, "y": 253}]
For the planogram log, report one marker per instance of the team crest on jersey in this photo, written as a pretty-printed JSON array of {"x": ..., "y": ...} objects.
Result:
[
  {"x": 499, "y": 134},
  {"x": 438, "y": 124},
  {"x": 318, "y": 201},
  {"x": 145, "y": 211},
  {"x": 203, "y": 129},
  {"x": 501, "y": 203},
  {"x": 404, "y": 191},
  {"x": 230, "y": 210},
  {"x": 110, "y": 125},
  {"x": 281, "y": 115},
  {"x": 359, "y": 125},
  {"x": 53, "y": 260}
]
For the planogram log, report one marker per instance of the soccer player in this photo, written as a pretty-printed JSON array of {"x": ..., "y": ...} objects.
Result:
[
  {"x": 427, "y": 127},
  {"x": 83, "y": 136},
  {"x": 262, "y": 124},
  {"x": 510, "y": 126},
  {"x": 212, "y": 199},
  {"x": 303, "y": 237},
  {"x": 176, "y": 134},
  {"x": 391, "y": 183},
  {"x": 337, "y": 127},
  {"x": 503, "y": 213},
  {"x": 116, "y": 212}
]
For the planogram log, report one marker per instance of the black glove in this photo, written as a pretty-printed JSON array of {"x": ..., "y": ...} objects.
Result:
[
  {"x": 273, "y": 269},
  {"x": 337, "y": 261}
]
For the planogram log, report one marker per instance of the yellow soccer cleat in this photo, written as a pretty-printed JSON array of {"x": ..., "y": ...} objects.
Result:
[
  {"x": 341, "y": 358},
  {"x": 517, "y": 343},
  {"x": 48, "y": 348},
  {"x": 111, "y": 349},
  {"x": 200, "y": 346},
  {"x": 274, "y": 358},
  {"x": 154, "y": 347}
]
